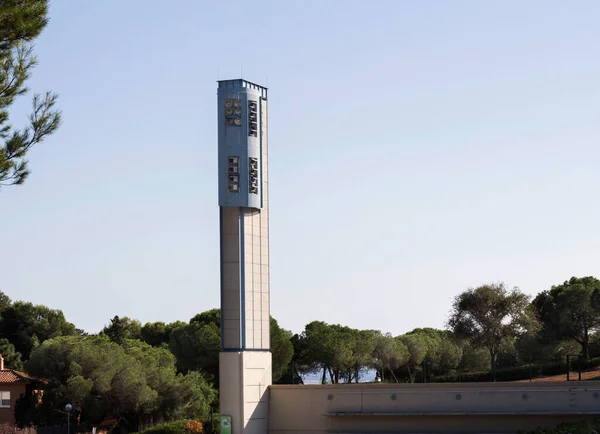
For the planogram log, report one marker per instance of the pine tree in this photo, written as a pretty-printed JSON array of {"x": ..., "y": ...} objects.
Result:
[{"x": 21, "y": 21}]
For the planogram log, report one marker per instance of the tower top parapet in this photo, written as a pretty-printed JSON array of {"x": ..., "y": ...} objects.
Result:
[{"x": 238, "y": 83}]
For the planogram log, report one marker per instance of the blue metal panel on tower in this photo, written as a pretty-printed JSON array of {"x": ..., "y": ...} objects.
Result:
[{"x": 240, "y": 143}]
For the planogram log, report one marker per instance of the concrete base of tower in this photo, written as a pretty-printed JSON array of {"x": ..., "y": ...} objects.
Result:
[{"x": 244, "y": 379}]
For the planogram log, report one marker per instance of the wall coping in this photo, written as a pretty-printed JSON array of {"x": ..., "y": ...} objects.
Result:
[{"x": 447, "y": 386}]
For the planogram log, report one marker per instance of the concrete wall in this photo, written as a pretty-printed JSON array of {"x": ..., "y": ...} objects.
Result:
[
  {"x": 244, "y": 279},
  {"x": 244, "y": 383},
  {"x": 429, "y": 408}
]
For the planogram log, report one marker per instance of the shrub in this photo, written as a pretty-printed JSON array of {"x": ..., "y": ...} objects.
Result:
[
  {"x": 587, "y": 427},
  {"x": 176, "y": 427},
  {"x": 194, "y": 427},
  {"x": 519, "y": 373}
]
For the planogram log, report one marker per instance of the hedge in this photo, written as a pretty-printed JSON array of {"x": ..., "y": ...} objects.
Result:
[
  {"x": 587, "y": 427},
  {"x": 176, "y": 427},
  {"x": 518, "y": 373}
]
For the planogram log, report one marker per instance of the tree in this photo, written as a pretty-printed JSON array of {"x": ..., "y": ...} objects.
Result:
[
  {"x": 416, "y": 344},
  {"x": 281, "y": 348},
  {"x": 571, "y": 310},
  {"x": 194, "y": 397},
  {"x": 474, "y": 359},
  {"x": 26, "y": 325},
  {"x": 326, "y": 349},
  {"x": 362, "y": 345},
  {"x": 4, "y": 301},
  {"x": 341, "y": 352},
  {"x": 101, "y": 378},
  {"x": 443, "y": 354},
  {"x": 158, "y": 333},
  {"x": 121, "y": 329},
  {"x": 301, "y": 362},
  {"x": 388, "y": 353},
  {"x": 21, "y": 21},
  {"x": 12, "y": 358},
  {"x": 211, "y": 316},
  {"x": 487, "y": 315},
  {"x": 197, "y": 345}
]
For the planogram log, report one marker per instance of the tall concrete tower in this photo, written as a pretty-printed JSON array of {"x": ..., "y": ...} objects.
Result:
[{"x": 245, "y": 359}]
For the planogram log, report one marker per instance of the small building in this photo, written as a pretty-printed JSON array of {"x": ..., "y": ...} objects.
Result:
[{"x": 13, "y": 385}]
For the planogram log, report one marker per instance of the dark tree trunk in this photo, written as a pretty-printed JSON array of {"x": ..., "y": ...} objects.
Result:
[
  {"x": 585, "y": 346},
  {"x": 296, "y": 374},
  {"x": 493, "y": 364},
  {"x": 331, "y": 376}
]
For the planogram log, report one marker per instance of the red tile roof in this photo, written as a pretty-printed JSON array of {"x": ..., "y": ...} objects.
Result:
[{"x": 12, "y": 376}]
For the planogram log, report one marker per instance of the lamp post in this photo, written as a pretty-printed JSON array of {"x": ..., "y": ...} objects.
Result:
[{"x": 68, "y": 408}]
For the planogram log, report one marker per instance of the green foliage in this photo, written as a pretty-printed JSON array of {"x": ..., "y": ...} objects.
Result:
[
  {"x": 488, "y": 315},
  {"x": 434, "y": 348},
  {"x": 195, "y": 396},
  {"x": 159, "y": 372},
  {"x": 389, "y": 353},
  {"x": 121, "y": 329},
  {"x": 443, "y": 354},
  {"x": 518, "y": 373},
  {"x": 594, "y": 345},
  {"x": 12, "y": 358},
  {"x": 417, "y": 350},
  {"x": 182, "y": 426},
  {"x": 301, "y": 362},
  {"x": 158, "y": 333},
  {"x": 332, "y": 348},
  {"x": 26, "y": 325},
  {"x": 571, "y": 310},
  {"x": 584, "y": 427},
  {"x": 5, "y": 301},
  {"x": 211, "y": 316},
  {"x": 99, "y": 377},
  {"x": 197, "y": 345},
  {"x": 281, "y": 348},
  {"x": 21, "y": 21},
  {"x": 175, "y": 427},
  {"x": 474, "y": 359}
]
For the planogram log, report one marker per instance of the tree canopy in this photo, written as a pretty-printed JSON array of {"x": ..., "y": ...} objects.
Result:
[
  {"x": 100, "y": 377},
  {"x": 571, "y": 310},
  {"x": 489, "y": 314},
  {"x": 121, "y": 329},
  {"x": 27, "y": 325},
  {"x": 21, "y": 22},
  {"x": 196, "y": 345},
  {"x": 161, "y": 372},
  {"x": 12, "y": 358}
]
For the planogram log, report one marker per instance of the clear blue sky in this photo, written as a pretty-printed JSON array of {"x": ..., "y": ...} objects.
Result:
[{"x": 417, "y": 148}]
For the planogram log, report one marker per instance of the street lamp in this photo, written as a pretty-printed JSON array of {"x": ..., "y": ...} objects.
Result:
[{"x": 68, "y": 408}]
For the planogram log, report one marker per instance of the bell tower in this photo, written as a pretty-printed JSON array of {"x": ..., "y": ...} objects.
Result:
[{"x": 245, "y": 368}]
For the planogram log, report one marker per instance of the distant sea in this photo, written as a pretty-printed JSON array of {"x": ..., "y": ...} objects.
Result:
[{"x": 364, "y": 376}]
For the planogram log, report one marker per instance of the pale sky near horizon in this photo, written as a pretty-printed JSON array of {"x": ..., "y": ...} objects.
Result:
[{"x": 417, "y": 148}]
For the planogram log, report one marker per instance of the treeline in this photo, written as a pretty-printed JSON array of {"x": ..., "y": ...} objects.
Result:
[
  {"x": 489, "y": 328},
  {"x": 158, "y": 372},
  {"x": 140, "y": 374}
]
